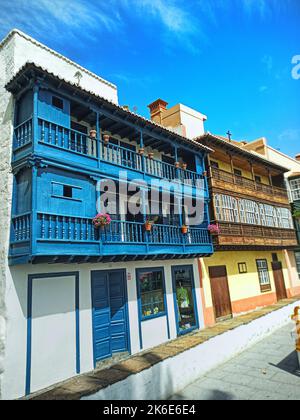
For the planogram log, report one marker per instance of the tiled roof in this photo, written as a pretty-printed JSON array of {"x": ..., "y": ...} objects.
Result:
[
  {"x": 30, "y": 65},
  {"x": 238, "y": 147}
]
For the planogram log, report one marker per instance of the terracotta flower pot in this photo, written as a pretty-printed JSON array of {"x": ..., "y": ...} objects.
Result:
[
  {"x": 148, "y": 227},
  {"x": 106, "y": 138},
  {"x": 184, "y": 166},
  {"x": 93, "y": 134},
  {"x": 177, "y": 165},
  {"x": 150, "y": 155},
  {"x": 141, "y": 151},
  {"x": 184, "y": 230}
]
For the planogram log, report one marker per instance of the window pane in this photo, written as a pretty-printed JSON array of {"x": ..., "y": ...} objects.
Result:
[
  {"x": 151, "y": 291},
  {"x": 263, "y": 272}
]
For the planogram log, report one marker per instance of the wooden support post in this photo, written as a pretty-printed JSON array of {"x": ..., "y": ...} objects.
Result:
[
  {"x": 253, "y": 174},
  {"x": 232, "y": 168}
]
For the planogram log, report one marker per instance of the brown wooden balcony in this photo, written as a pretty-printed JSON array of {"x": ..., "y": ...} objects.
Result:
[
  {"x": 240, "y": 235},
  {"x": 226, "y": 181}
]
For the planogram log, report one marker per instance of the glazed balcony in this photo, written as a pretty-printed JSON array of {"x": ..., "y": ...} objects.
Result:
[
  {"x": 71, "y": 146},
  {"x": 59, "y": 238},
  {"x": 235, "y": 235},
  {"x": 226, "y": 181}
]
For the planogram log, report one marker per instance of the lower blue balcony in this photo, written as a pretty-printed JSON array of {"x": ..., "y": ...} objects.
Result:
[{"x": 58, "y": 238}]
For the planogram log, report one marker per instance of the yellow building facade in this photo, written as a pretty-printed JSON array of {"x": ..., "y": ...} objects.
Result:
[{"x": 251, "y": 267}]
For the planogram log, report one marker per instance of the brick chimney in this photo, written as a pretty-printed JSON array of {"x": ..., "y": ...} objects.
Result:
[
  {"x": 157, "y": 108},
  {"x": 297, "y": 157}
]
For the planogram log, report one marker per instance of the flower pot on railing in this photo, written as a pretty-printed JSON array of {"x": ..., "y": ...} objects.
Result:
[
  {"x": 141, "y": 151},
  {"x": 184, "y": 229},
  {"x": 106, "y": 138},
  {"x": 101, "y": 220},
  {"x": 148, "y": 226},
  {"x": 150, "y": 155},
  {"x": 93, "y": 134},
  {"x": 214, "y": 229},
  {"x": 184, "y": 166},
  {"x": 177, "y": 165}
]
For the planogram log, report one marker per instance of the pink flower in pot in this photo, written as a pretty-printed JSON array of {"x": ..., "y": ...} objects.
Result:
[
  {"x": 101, "y": 220},
  {"x": 214, "y": 229}
]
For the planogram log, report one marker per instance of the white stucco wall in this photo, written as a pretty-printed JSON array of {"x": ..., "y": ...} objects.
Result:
[
  {"x": 172, "y": 375},
  {"x": 6, "y": 114},
  {"x": 60, "y": 319},
  {"x": 27, "y": 49}
]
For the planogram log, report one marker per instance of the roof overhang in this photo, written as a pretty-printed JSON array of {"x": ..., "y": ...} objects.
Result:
[{"x": 31, "y": 73}]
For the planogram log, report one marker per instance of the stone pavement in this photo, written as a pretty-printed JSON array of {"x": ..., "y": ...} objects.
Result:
[
  {"x": 267, "y": 371},
  {"x": 92, "y": 382}
]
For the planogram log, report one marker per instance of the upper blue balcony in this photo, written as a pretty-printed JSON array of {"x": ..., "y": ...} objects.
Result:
[{"x": 67, "y": 137}]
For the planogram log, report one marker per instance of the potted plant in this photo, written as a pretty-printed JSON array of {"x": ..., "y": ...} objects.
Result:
[
  {"x": 150, "y": 155},
  {"x": 296, "y": 213},
  {"x": 177, "y": 165},
  {"x": 148, "y": 225},
  {"x": 106, "y": 138},
  {"x": 184, "y": 166},
  {"x": 214, "y": 229},
  {"x": 101, "y": 220},
  {"x": 184, "y": 229},
  {"x": 141, "y": 151},
  {"x": 93, "y": 134}
]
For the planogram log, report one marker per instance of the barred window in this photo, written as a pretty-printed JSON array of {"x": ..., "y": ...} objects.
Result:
[{"x": 263, "y": 274}]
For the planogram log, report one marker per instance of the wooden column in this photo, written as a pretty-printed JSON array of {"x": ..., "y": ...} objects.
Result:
[
  {"x": 253, "y": 174},
  {"x": 232, "y": 167}
]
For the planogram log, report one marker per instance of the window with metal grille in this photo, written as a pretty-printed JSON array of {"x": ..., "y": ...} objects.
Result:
[
  {"x": 263, "y": 274},
  {"x": 297, "y": 257}
]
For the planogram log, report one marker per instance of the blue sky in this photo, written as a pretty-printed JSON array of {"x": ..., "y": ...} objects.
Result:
[{"x": 229, "y": 59}]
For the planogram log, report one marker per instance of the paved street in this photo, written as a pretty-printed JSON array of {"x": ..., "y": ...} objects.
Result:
[{"x": 267, "y": 371}]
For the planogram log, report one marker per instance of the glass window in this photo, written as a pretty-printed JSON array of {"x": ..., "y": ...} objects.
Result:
[
  {"x": 295, "y": 189},
  {"x": 57, "y": 102},
  {"x": 263, "y": 274},
  {"x": 151, "y": 288},
  {"x": 185, "y": 304},
  {"x": 297, "y": 257}
]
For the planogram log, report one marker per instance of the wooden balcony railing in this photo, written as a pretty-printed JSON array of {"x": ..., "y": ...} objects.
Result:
[
  {"x": 77, "y": 229},
  {"x": 23, "y": 134},
  {"x": 73, "y": 141},
  {"x": 247, "y": 184},
  {"x": 242, "y": 234}
]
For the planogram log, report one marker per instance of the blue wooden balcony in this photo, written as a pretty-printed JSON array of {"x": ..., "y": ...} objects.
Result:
[
  {"x": 59, "y": 238},
  {"x": 73, "y": 147}
]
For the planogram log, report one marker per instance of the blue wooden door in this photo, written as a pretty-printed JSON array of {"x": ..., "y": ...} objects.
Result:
[{"x": 110, "y": 321}]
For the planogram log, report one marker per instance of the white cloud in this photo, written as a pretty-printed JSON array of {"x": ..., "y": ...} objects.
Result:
[
  {"x": 263, "y": 89},
  {"x": 58, "y": 19}
]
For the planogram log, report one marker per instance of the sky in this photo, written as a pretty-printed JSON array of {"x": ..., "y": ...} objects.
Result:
[{"x": 229, "y": 59}]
